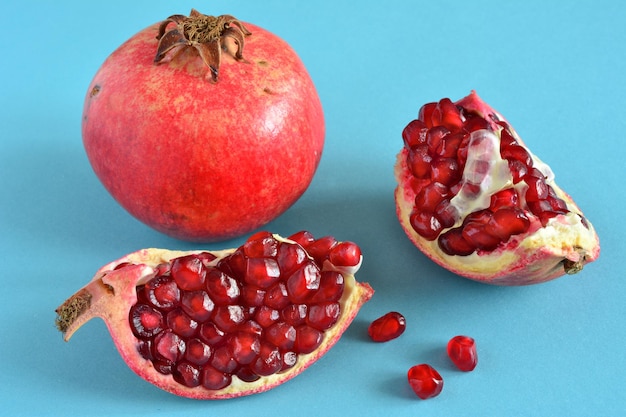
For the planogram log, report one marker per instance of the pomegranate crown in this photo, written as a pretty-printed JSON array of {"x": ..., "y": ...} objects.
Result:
[{"x": 204, "y": 33}]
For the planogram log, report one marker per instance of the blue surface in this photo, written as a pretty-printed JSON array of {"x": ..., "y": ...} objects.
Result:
[{"x": 555, "y": 69}]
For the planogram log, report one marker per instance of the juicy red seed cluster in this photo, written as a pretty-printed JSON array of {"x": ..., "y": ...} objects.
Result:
[
  {"x": 249, "y": 315},
  {"x": 437, "y": 146},
  {"x": 387, "y": 327}
]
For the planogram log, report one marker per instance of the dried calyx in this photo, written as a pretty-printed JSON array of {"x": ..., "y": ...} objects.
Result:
[{"x": 204, "y": 33}]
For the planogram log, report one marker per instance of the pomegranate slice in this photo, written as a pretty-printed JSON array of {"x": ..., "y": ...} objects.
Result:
[
  {"x": 215, "y": 325},
  {"x": 477, "y": 201}
]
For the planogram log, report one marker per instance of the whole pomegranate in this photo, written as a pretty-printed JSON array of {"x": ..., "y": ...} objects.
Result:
[
  {"x": 203, "y": 127},
  {"x": 222, "y": 324},
  {"x": 478, "y": 202}
]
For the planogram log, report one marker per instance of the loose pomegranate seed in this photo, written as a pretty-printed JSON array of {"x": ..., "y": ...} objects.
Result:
[
  {"x": 251, "y": 315},
  {"x": 425, "y": 381},
  {"x": 387, "y": 327},
  {"x": 462, "y": 352}
]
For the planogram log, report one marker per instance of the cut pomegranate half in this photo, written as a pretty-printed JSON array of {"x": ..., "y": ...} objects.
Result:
[
  {"x": 215, "y": 325},
  {"x": 478, "y": 202}
]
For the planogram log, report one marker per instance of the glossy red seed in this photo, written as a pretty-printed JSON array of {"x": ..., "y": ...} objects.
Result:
[
  {"x": 425, "y": 224},
  {"x": 537, "y": 188},
  {"x": 445, "y": 171},
  {"x": 169, "y": 346},
  {"x": 387, "y": 327},
  {"x": 450, "y": 114},
  {"x": 414, "y": 134},
  {"x": 244, "y": 346},
  {"x": 290, "y": 257},
  {"x": 281, "y": 335},
  {"x": 181, "y": 323},
  {"x": 188, "y": 273},
  {"x": 425, "y": 381},
  {"x": 261, "y": 245},
  {"x": 266, "y": 316},
  {"x": 222, "y": 289},
  {"x": 462, "y": 352},
  {"x": 323, "y": 316},
  {"x": 162, "y": 292},
  {"x": 320, "y": 248},
  {"x": 214, "y": 379},
  {"x": 197, "y": 305},
  {"x": 430, "y": 196},
  {"x": 446, "y": 213},
  {"x": 277, "y": 297},
  {"x": 507, "y": 222},
  {"x": 426, "y": 113},
  {"x": 419, "y": 161},
  {"x": 303, "y": 237},
  {"x": 504, "y": 198},
  {"x": 307, "y": 339},
  {"x": 303, "y": 283},
  {"x": 145, "y": 321},
  {"x": 269, "y": 360},
  {"x": 330, "y": 289},
  {"x": 186, "y": 374},
  {"x": 294, "y": 314},
  {"x": 517, "y": 153},
  {"x": 452, "y": 242},
  {"x": 197, "y": 352},
  {"x": 475, "y": 234},
  {"x": 262, "y": 272},
  {"x": 434, "y": 137}
]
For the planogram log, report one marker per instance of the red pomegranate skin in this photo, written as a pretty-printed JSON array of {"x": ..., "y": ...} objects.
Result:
[{"x": 200, "y": 160}]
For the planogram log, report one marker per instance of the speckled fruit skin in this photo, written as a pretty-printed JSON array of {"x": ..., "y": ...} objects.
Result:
[{"x": 198, "y": 160}]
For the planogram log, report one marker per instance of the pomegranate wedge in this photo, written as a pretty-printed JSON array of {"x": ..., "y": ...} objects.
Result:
[
  {"x": 215, "y": 325},
  {"x": 478, "y": 202}
]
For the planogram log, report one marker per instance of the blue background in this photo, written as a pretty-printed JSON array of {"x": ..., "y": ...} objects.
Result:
[{"x": 555, "y": 69}]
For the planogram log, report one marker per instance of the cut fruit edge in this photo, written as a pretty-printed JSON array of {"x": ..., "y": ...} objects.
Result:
[
  {"x": 94, "y": 298},
  {"x": 563, "y": 246}
]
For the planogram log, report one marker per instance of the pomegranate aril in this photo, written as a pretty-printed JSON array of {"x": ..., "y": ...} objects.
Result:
[
  {"x": 244, "y": 347},
  {"x": 162, "y": 292},
  {"x": 330, "y": 289},
  {"x": 186, "y": 374},
  {"x": 266, "y": 316},
  {"x": 449, "y": 146},
  {"x": 247, "y": 375},
  {"x": 452, "y": 242},
  {"x": 446, "y": 213},
  {"x": 537, "y": 187},
  {"x": 197, "y": 305},
  {"x": 323, "y": 316},
  {"x": 303, "y": 237},
  {"x": 426, "y": 224},
  {"x": 210, "y": 333},
  {"x": 281, "y": 335},
  {"x": 277, "y": 297},
  {"x": 507, "y": 222},
  {"x": 518, "y": 170},
  {"x": 181, "y": 323},
  {"x": 252, "y": 296},
  {"x": 289, "y": 360},
  {"x": 188, "y": 272},
  {"x": 430, "y": 196},
  {"x": 197, "y": 352},
  {"x": 420, "y": 161},
  {"x": 434, "y": 138},
  {"x": 303, "y": 283},
  {"x": 345, "y": 254},
  {"x": 169, "y": 346},
  {"x": 262, "y": 272},
  {"x": 505, "y": 198},
  {"x": 145, "y": 321},
  {"x": 414, "y": 134},
  {"x": 474, "y": 123},
  {"x": 387, "y": 327},
  {"x": 261, "y": 245},
  {"x": 450, "y": 114},
  {"x": 462, "y": 352},
  {"x": 320, "y": 248},
  {"x": 228, "y": 318},
  {"x": 445, "y": 171},
  {"x": 294, "y": 314},
  {"x": 269, "y": 360},
  {"x": 307, "y": 339},
  {"x": 213, "y": 379},
  {"x": 516, "y": 153},
  {"x": 426, "y": 113},
  {"x": 222, "y": 289},
  {"x": 223, "y": 359},
  {"x": 425, "y": 381},
  {"x": 290, "y": 257},
  {"x": 477, "y": 236}
]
